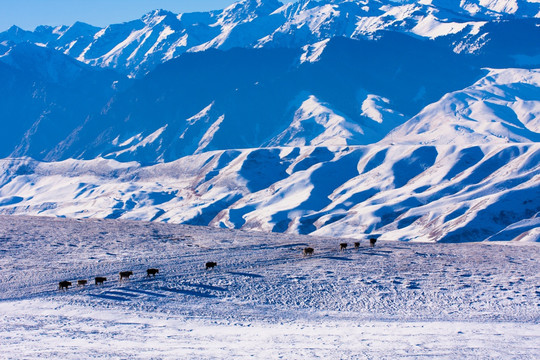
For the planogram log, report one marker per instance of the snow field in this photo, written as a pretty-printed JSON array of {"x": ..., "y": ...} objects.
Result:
[
  {"x": 263, "y": 300},
  {"x": 112, "y": 334}
]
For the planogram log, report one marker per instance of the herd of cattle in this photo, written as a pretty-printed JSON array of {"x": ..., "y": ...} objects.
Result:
[
  {"x": 99, "y": 280},
  {"x": 342, "y": 246},
  {"x": 124, "y": 275}
]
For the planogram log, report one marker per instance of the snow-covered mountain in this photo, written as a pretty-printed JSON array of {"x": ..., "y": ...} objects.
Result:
[
  {"x": 136, "y": 47},
  {"x": 411, "y": 120},
  {"x": 199, "y": 101}
]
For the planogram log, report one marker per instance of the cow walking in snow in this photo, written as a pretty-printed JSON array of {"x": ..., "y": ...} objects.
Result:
[
  {"x": 308, "y": 251},
  {"x": 82, "y": 282},
  {"x": 125, "y": 275},
  {"x": 100, "y": 280},
  {"x": 357, "y": 245},
  {"x": 372, "y": 242},
  {"x": 210, "y": 265},
  {"x": 63, "y": 285},
  {"x": 152, "y": 272},
  {"x": 342, "y": 246}
]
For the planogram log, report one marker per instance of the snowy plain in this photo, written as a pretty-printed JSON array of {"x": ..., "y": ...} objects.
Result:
[
  {"x": 263, "y": 300},
  {"x": 442, "y": 165}
]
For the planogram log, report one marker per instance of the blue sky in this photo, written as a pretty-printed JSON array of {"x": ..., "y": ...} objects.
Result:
[{"x": 28, "y": 14}]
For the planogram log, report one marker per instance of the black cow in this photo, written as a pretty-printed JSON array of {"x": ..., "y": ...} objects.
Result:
[
  {"x": 342, "y": 246},
  {"x": 357, "y": 245},
  {"x": 152, "y": 272},
  {"x": 372, "y": 242},
  {"x": 63, "y": 285},
  {"x": 100, "y": 280},
  {"x": 82, "y": 282},
  {"x": 125, "y": 274},
  {"x": 308, "y": 251},
  {"x": 210, "y": 265}
]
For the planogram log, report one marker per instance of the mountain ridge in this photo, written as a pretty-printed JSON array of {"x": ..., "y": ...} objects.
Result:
[{"x": 138, "y": 46}]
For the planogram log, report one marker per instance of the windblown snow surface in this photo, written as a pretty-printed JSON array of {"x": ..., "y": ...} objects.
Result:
[{"x": 263, "y": 300}]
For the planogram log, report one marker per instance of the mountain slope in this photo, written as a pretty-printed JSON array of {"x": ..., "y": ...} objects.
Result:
[
  {"x": 198, "y": 102},
  {"x": 315, "y": 124},
  {"x": 263, "y": 93},
  {"x": 44, "y": 96},
  {"x": 503, "y": 106}
]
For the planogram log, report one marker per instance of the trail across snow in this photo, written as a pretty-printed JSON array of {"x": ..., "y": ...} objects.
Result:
[{"x": 263, "y": 300}]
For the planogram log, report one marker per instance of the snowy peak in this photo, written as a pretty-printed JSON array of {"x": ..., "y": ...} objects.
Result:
[
  {"x": 136, "y": 44},
  {"x": 490, "y": 8},
  {"x": 157, "y": 15},
  {"x": 247, "y": 10},
  {"x": 161, "y": 18}
]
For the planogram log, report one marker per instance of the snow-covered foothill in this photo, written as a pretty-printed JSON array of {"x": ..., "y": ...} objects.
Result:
[
  {"x": 501, "y": 107},
  {"x": 317, "y": 125},
  {"x": 401, "y": 192},
  {"x": 314, "y": 123}
]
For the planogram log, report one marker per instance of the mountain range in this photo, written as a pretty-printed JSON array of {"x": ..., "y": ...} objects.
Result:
[
  {"x": 410, "y": 120},
  {"x": 137, "y": 47}
]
